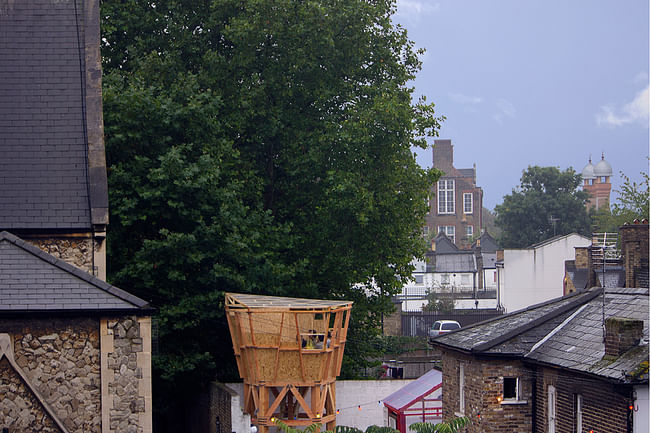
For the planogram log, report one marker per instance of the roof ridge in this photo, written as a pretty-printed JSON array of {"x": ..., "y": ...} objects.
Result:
[
  {"x": 556, "y": 329},
  {"x": 70, "y": 269},
  {"x": 585, "y": 298}
]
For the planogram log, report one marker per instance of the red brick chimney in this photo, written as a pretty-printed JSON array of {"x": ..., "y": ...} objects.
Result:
[
  {"x": 634, "y": 249},
  {"x": 621, "y": 335}
]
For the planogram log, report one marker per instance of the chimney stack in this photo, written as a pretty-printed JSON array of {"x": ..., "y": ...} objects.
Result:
[{"x": 621, "y": 335}]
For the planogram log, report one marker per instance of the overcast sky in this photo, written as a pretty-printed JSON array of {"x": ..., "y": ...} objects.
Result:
[{"x": 535, "y": 82}]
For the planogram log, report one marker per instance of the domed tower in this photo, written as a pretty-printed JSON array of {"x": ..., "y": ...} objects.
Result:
[{"x": 597, "y": 183}]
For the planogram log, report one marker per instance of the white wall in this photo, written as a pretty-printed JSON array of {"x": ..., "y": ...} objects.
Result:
[
  {"x": 368, "y": 394},
  {"x": 349, "y": 395},
  {"x": 642, "y": 416},
  {"x": 535, "y": 275}
]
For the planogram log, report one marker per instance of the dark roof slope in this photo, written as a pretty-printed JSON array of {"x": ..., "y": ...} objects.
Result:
[
  {"x": 505, "y": 333},
  {"x": 486, "y": 242},
  {"x": 459, "y": 262},
  {"x": 32, "y": 280},
  {"x": 44, "y": 146},
  {"x": 444, "y": 245},
  {"x": 578, "y": 343},
  {"x": 565, "y": 333}
]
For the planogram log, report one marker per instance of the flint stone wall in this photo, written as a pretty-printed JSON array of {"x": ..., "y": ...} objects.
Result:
[
  {"x": 60, "y": 358},
  {"x": 20, "y": 410},
  {"x": 75, "y": 251}
]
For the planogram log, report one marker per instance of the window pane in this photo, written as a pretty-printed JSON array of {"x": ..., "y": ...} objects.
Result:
[
  {"x": 509, "y": 387},
  {"x": 468, "y": 203}
]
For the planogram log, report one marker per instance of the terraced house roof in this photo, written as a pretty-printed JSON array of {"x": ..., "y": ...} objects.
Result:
[{"x": 565, "y": 333}]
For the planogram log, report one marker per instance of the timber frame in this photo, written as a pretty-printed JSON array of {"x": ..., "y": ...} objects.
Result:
[{"x": 289, "y": 353}]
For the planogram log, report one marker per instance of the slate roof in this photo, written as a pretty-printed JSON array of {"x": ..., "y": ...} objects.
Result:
[
  {"x": 444, "y": 245},
  {"x": 32, "y": 280},
  {"x": 467, "y": 172},
  {"x": 578, "y": 276},
  {"x": 578, "y": 344},
  {"x": 565, "y": 333},
  {"x": 44, "y": 175},
  {"x": 459, "y": 262},
  {"x": 487, "y": 243},
  {"x": 489, "y": 260}
]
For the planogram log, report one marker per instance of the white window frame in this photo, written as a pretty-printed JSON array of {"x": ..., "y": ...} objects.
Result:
[
  {"x": 446, "y": 196},
  {"x": 551, "y": 409},
  {"x": 461, "y": 388},
  {"x": 468, "y": 205},
  {"x": 469, "y": 231},
  {"x": 450, "y": 231},
  {"x": 517, "y": 389},
  {"x": 578, "y": 412},
  {"x": 444, "y": 279}
]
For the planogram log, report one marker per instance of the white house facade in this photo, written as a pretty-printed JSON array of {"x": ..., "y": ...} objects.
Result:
[{"x": 535, "y": 274}]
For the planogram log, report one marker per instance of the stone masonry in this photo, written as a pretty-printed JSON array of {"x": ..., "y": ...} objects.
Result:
[
  {"x": 126, "y": 367},
  {"x": 75, "y": 250},
  {"x": 61, "y": 361},
  {"x": 19, "y": 408}
]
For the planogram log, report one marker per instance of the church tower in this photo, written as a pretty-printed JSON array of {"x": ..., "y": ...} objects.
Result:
[{"x": 597, "y": 183}]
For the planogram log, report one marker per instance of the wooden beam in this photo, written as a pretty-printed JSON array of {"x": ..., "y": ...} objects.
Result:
[
  {"x": 276, "y": 402},
  {"x": 302, "y": 402}
]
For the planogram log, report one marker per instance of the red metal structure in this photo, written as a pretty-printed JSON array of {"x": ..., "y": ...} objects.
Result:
[{"x": 419, "y": 401}]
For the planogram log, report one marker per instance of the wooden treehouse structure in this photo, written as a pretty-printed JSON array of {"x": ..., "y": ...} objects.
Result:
[{"x": 288, "y": 353}]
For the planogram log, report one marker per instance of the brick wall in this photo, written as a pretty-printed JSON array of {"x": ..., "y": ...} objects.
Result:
[
  {"x": 393, "y": 322},
  {"x": 634, "y": 249},
  {"x": 582, "y": 257},
  {"x": 604, "y": 407},
  {"x": 483, "y": 386},
  {"x": 443, "y": 159}
]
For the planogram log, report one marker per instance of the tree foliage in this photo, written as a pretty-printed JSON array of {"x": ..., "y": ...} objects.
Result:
[
  {"x": 633, "y": 203},
  {"x": 263, "y": 147},
  {"x": 451, "y": 426},
  {"x": 437, "y": 303},
  {"x": 546, "y": 203}
]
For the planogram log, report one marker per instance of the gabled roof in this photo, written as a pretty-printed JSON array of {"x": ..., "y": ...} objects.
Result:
[
  {"x": 444, "y": 245},
  {"x": 486, "y": 242},
  {"x": 553, "y": 239},
  {"x": 32, "y": 280},
  {"x": 459, "y": 262},
  {"x": 565, "y": 333},
  {"x": 414, "y": 391},
  {"x": 52, "y": 163}
]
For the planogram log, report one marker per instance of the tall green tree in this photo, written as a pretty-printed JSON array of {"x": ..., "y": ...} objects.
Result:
[
  {"x": 259, "y": 146},
  {"x": 547, "y": 202},
  {"x": 633, "y": 202}
]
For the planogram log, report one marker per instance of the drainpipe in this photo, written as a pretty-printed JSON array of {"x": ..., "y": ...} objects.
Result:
[{"x": 534, "y": 401}]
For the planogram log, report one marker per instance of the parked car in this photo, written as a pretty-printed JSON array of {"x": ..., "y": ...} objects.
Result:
[{"x": 442, "y": 326}]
